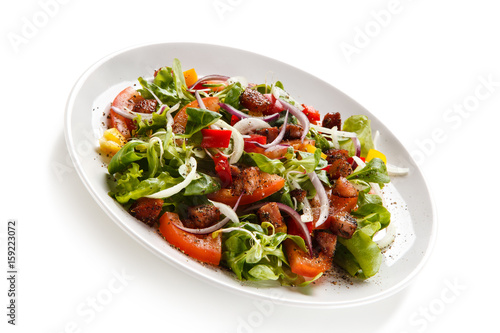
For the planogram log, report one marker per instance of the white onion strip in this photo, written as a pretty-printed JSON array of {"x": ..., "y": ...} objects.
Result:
[
  {"x": 177, "y": 188},
  {"x": 334, "y": 131},
  {"x": 238, "y": 142},
  {"x": 201, "y": 105},
  {"x": 247, "y": 125},
  {"x": 323, "y": 198},
  {"x": 393, "y": 170},
  {"x": 226, "y": 210},
  {"x": 387, "y": 237},
  {"x": 131, "y": 114}
]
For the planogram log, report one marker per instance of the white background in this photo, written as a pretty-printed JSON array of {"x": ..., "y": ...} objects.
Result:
[{"x": 413, "y": 68}]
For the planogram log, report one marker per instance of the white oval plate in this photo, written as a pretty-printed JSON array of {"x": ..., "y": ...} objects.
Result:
[{"x": 410, "y": 205}]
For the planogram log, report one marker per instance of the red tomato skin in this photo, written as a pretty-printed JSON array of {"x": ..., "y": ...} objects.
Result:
[
  {"x": 302, "y": 264},
  {"x": 125, "y": 99},
  {"x": 204, "y": 248}
]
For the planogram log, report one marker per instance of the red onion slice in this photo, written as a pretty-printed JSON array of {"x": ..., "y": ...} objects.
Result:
[
  {"x": 357, "y": 145},
  {"x": 323, "y": 198},
  {"x": 209, "y": 78},
  {"x": 212, "y": 228},
  {"x": 301, "y": 226},
  {"x": 301, "y": 117},
  {"x": 232, "y": 110},
  {"x": 278, "y": 138}
]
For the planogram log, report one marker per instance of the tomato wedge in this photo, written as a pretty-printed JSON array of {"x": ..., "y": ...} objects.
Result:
[
  {"x": 211, "y": 103},
  {"x": 127, "y": 98},
  {"x": 311, "y": 113},
  {"x": 201, "y": 247},
  {"x": 301, "y": 263},
  {"x": 268, "y": 184}
]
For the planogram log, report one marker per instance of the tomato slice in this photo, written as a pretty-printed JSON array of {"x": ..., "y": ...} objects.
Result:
[
  {"x": 268, "y": 184},
  {"x": 311, "y": 113},
  {"x": 201, "y": 247},
  {"x": 127, "y": 98},
  {"x": 301, "y": 263},
  {"x": 211, "y": 103}
]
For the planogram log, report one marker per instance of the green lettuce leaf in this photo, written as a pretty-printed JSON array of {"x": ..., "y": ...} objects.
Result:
[
  {"x": 361, "y": 126},
  {"x": 126, "y": 155},
  {"x": 202, "y": 186},
  {"x": 199, "y": 119},
  {"x": 253, "y": 254},
  {"x": 168, "y": 86},
  {"x": 374, "y": 171},
  {"x": 130, "y": 187}
]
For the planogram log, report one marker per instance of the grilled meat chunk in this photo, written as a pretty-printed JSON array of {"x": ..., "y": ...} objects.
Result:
[
  {"x": 292, "y": 132},
  {"x": 343, "y": 224},
  {"x": 332, "y": 120},
  {"x": 298, "y": 194},
  {"x": 271, "y": 213},
  {"x": 339, "y": 168},
  {"x": 344, "y": 188},
  {"x": 335, "y": 154},
  {"x": 255, "y": 101},
  {"x": 145, "y": 106},
  {"x": 246, "y": 181},
  {"x": 202, "y": 216},
  {"x": 147, "y": 210},
  {"x": 270, "y": 133},
  {"x": 325, "y": 242}
]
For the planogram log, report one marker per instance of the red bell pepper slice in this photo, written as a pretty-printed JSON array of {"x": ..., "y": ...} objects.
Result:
[
  {"x": 223, "y": 170},
  {"x": 250, "y": 147},
  {"x": 215, "y": 138}
]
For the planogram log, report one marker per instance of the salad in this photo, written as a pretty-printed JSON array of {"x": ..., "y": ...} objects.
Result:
[{"x": 243, "y": 176}]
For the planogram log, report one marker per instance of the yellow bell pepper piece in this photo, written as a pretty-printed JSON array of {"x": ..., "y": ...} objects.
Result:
[
  {"x": 112, "y": 141},
  {"x": 372, "y": 153},
  {"x": 190, "y": 76},
  {"x": 311, "y": 149}
]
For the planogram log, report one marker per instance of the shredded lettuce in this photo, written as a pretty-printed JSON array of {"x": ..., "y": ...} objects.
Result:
[
  {"x": 168, "y": 86},
  {"x": 129, "y": 185},
  {"x": 253, "y": 253}
]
